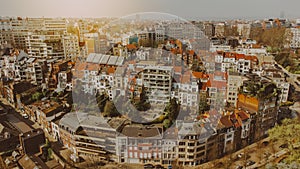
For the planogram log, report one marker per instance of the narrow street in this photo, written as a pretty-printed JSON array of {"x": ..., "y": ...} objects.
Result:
[
  {"x": 15, "y": 119},
  {"x": 292, "y": 78}
]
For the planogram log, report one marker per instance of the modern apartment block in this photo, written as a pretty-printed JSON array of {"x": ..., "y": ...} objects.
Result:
[
  {"x": 88, "y": 135},
  {"x": 71, "y": 46},
  {"x": 295, "y": 40},
  {"x": 260, "y": 98},
  {"x": 233, "y": 84},
  {"x": 158, "y": 81}
]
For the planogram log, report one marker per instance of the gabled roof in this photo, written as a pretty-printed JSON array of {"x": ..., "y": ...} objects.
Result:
[
  {"x": 198, "y": 75},
  {"x": 22, "y": 55},
  {"x": 225, "y": 120},
  {"x": 186, "y": 78},
  {"x": 243, "y": 115}
]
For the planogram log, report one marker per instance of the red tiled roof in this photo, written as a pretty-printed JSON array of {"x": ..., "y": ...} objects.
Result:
[
  {"x": 256, "y": 46},
  {"x": 92, "y": 67},
  {"x": 204, "y": 86},
  {"x": 111, "y": 70},
  {"x": 131, "y": 46},
  {"x": 80, "y": 66},
  {"x": 230, "y": 55},
  {"x": 177, "y": 69},
  {"x": 191, "y": 52},
  {"x": 218, "y": 84},
  {"x": 198, "y": 75},
  {"x": 235, "y": 120},
  {"x": 239, "y": 56},
  {"x": 225, "y": 120},
  {"x": 243, "y": 115},
  {"x": 186, "y": 78},
  {"x": 251, "y": 58}
]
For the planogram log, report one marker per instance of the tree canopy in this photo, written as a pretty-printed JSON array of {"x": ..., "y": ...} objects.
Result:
[{"x": 289, "y": 133}]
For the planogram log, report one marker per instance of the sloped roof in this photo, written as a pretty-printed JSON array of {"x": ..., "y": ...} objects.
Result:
[
  {"x": 72, "y": 120},
  {"x": 22, "y": 55}
]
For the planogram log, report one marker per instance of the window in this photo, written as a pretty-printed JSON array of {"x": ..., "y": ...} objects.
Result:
[
  {"x": 181, "y": 155},
  {"x": 190, "y": 150},
  {"x": 191, "y": 144},
  {"x": 181, "y": 143},
  {"x": 229, "y": 135}
]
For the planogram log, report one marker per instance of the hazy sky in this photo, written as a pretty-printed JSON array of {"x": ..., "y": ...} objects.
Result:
[{"x": 189, "y": 9}]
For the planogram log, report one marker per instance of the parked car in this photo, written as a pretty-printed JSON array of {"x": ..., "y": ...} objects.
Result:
[
  {"x": 148, "y": 166},
  {"x": 242, "y": 155},
  {"x": 158, "y": 167},
  {"x": 284, "y": 145},
  {"x": 239, "y": 167},
  {"x": 250, "y": 162},
  {"x": 25, "y": 116},
  {"x": 265, "y": 143}
]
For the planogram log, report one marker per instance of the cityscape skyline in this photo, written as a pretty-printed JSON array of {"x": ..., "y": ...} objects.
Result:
[
  {"x": 215, "y": 9},
  {"x": 157, "y": 84}
]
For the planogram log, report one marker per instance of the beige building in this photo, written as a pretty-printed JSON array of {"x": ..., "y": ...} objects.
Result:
[{"x": 234, "y": 82}]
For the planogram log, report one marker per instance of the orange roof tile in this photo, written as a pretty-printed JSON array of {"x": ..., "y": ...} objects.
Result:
[
  {"x": 251, "y": 58},
  {"x": 191, "y": 52},
  {"x": 111, "y": 70},
  {"x": 80, "y": 66},
  {"x": 92, "y": 67},
  {"x": 178, "y": 69},
  {"x": 243, "y": 115},
  {"x": 240, "y": 56},
  {"x": 198, "y": 75},
  {"x": 186, "y": 78},
  {"x": 131, "y": 46},
  {"x": 225, "y": 120}
]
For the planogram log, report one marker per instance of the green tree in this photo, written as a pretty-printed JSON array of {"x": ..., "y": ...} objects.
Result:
[
  {"x": 289, "y": 133},
  {"x": 143, "y": 103},
  {"x": 167, "y": 123},
  {"x": 172, "y": 110},
  {"x": 203, "y": 105},
  {"x": 101, "y": 101},
  {"x": 110, "y": 110},
  {"x": 36, "y": 96}
]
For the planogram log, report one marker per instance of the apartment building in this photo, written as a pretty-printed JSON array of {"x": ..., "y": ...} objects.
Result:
[
  {"x": 236, "y": 129},
  {"x": 216, "y": 87},
  {"x": 233, "y": 84},
  {"x": 186, "y": 91},
  {"x": 220, "y": 29},
  {"x": 20, "y": 32},
  {"x": 64, "y": 80},
  {"x": 158, "y": 81},
  {"x": 260, "y": 99},
  {"x": 88, "y": 135},
  {"x": 43, "y": 112},
  {"x": 44, "y": 46},
  {"x": 196, "y": 142},
  {"x": 71, "y": 46},
  {"x": 160, "y": 32},
  {"x": 140, "y": 144},
  {"x": 295, "y": 40},
  {"x": 278, "y": 78}
]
